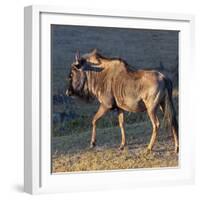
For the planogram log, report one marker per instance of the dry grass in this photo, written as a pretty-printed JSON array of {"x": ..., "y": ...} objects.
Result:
[
  {"x": 71, "y": 153},
  {"x": 111, "y": 159}
]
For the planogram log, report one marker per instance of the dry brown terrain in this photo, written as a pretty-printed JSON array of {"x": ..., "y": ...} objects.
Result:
[{"x": 72, "y": 153}]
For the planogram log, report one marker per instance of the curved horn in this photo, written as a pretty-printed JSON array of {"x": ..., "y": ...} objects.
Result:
[
  {"x": 94, "y": 51},
  {"x": 92, "y": 67},
  {"x": 77, "y": 55}
]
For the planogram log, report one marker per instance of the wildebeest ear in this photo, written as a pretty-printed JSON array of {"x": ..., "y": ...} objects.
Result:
[{"x": 77, "y": 55}]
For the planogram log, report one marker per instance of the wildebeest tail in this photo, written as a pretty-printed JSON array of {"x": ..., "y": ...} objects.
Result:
[{"x": 169, "y": 110}]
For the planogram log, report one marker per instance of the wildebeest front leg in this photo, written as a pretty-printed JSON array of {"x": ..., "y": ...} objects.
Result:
[
  {"x": 102, "y": 110},
  {"x": 121, "y": 125}
]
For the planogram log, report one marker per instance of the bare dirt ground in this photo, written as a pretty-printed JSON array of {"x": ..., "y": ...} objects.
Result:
[{"x": 71, "y": 153}]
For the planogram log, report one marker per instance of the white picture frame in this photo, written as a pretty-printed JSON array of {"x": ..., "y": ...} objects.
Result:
[{"x": 37, "y": 172}]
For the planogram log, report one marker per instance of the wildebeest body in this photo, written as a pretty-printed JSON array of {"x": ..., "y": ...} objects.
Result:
[
  {"x": 115, "y": 85},
  {"x": 118, "y": 86}
]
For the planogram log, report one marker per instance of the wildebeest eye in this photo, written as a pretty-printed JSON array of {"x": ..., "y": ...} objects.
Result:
[
  {"x": 81, "y": 61},
  {"x": 78, "y": 64}
]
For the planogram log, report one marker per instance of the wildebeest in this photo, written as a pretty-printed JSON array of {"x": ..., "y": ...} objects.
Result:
[{"x": 116, "y": 86}]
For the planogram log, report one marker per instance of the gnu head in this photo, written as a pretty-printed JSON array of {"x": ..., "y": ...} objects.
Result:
[{"x": 76, "y": 76}]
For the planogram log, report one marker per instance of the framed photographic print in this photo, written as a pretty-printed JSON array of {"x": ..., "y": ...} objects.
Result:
[{"x": 107, "y": 99}]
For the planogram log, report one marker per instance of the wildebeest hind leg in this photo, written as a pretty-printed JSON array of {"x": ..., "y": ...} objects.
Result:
[
  {"x": 121, "y": 125},
  {"x": 102, "y": 110},
  {"x": 155, "y": 126},
  {"x": 173, "y": 129}
]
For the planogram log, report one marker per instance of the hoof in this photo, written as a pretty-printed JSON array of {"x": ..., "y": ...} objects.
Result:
[
  {"x": 121, "y": 147},
  {"x": 147, "y": 151},
  {"x": 92, "y": 145},
  {"x": 176, "y": 150}
]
